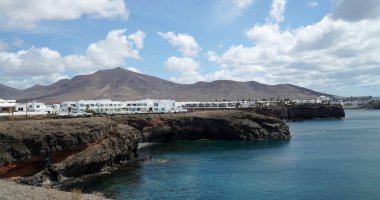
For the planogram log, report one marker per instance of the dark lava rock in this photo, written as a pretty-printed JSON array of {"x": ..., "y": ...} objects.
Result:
[
  {"x": 372, "y": 105},
  {"x": 52, "y": 151},
  {"x": 303, "y": 112},
  {"x": 221, "y": 125}
]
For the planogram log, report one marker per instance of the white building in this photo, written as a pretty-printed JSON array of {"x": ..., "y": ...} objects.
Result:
[
  {"x": 151, "y": 105},
  {"x": 261, "y": 104},
  {"x": 98, "y": 106},
  {"x": 37, "y": 107},
  {"x": 205, "y": 105},
  {"x": 323, "y": 100},
  {"x": 7, "y": 105},
  {"x": 107, "y": 106}
]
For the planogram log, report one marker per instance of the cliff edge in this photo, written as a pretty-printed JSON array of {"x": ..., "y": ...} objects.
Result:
[
  {"x": 52, "y": 151},
  {"x": 303, "y": 112}
]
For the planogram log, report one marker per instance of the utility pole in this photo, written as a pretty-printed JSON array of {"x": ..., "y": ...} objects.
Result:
[{"x": 26, "y": 108}]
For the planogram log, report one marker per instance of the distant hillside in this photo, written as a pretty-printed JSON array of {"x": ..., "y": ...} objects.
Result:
[
  {"x": 8, "y": 93},
  {"x": 122, "y": 84}
]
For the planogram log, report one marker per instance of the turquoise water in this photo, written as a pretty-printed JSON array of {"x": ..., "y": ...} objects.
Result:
[{"x": 325, "y": 159}]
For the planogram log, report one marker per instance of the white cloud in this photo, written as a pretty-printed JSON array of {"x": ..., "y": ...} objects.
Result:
[
  {"x": 112, "y": 51},
  {"x": 242, "y": 4},
  {"x": 181, "y": 64},
  {"x": 44, "y": 65},
  {"x": 312, "y": 4},
  {"x": 211, "y": 56},
  {"x": 34, "y": 61},
  {"x": 332, "y": 54},
  {"x": 185, "y": 43},
  {"x": 25, "y": 14},
  {"x": 138, "y": 39},
  {"x": 277, "y": 10},
  {"x": 133, "y": 69},
  {"x": 33, "y": 80},
  {"x": 317, "y": 56},
  {"x": 187, "y": 67}
]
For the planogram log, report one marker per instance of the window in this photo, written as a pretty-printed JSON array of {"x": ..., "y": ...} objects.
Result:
[
  {"x": 37, "y": 106},
  {"x": 156, "y": 104}
]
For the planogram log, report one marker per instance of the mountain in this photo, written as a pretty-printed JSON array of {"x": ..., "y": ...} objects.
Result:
[
  {"x": 7, "y": 92},
  {"x": 122, "y": 84}
]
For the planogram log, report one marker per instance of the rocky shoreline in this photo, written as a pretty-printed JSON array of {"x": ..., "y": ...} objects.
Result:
[
  {"x": 55, "y": 151},
  {"x": 303, "y": 112}
]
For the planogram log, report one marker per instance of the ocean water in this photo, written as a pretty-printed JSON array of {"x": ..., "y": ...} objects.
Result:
[{"x": 325, "y": 159}]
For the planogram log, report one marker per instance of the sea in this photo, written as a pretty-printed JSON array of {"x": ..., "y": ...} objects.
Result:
[{"x": 325, "y": 159}]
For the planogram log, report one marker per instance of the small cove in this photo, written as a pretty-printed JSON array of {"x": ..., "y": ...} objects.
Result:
[{"x": 325, "y": 159}]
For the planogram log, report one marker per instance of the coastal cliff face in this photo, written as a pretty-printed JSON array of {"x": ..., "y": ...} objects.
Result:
[
  {"x": 222, "y": 125},
  {"x": 373, "y": 105},
  {"x": 301, "y": 112},
  {"x": 52, "y": 151}
]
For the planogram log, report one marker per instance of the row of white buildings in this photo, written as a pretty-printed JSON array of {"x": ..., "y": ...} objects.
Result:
[
  {"x": 103, "y": 106},
  {"x": 107, "y": 106}
]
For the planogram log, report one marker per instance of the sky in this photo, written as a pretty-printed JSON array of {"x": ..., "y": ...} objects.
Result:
[{"x": 331, "y": 46}]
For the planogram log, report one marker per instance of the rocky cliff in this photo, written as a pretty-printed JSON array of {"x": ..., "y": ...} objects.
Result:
[
  {"x": 54, "y": 150},
  {"x": 222, "y": 125},
  {"x": 301, "y": 112},
  {"x": 372, "y": 105}
]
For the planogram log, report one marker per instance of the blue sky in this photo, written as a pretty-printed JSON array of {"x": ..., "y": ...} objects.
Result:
[{"x": 330, "y": 45}]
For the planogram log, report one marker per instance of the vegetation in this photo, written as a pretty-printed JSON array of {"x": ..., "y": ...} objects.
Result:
[
  {"x": 69, "y": 109},
  {"x": 89, "y": 110}
]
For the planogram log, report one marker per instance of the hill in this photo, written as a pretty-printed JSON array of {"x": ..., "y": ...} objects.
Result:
[
  {"x": 122, "y": 84},
  {"x": 8, "y": 93}
]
